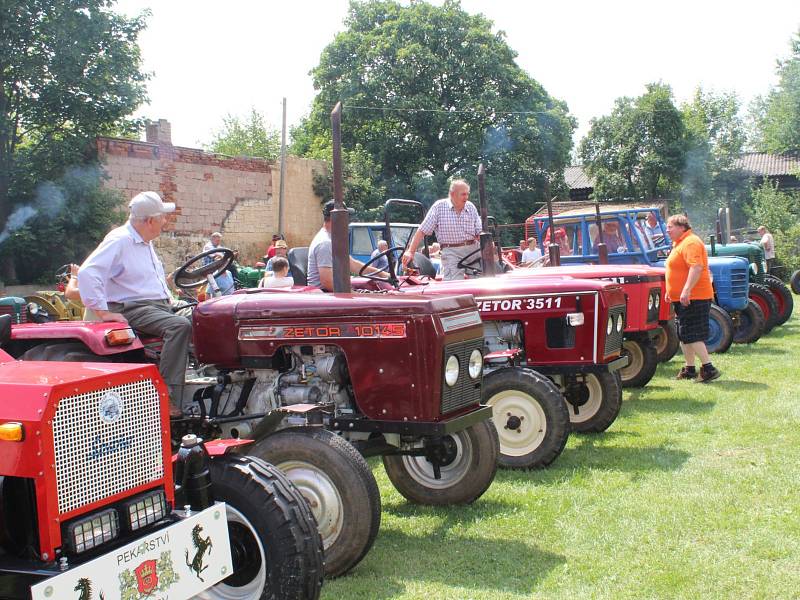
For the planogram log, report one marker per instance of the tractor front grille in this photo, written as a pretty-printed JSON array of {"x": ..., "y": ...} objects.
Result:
[
  {"x": 614, "y": 339},
  {"x": 99, "y": 454},
  {"x": 466, "y": 391},
  {"x": 739, "y": 281},
  {"x": 18, "y": 314}
]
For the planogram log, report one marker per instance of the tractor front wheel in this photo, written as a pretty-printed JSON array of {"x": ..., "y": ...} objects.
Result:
[
  {"x": 666, "y": 341},
  {"x": 593, "y": 401},
  {"x": 530, "y": 416},
  {"x": 749, "y": 324},
  {"x": 275, "y": 545},
  {"x": 720, "y": 331},
  {"x": 642, "y": 363},
  {"x": 338, "y": 485},
  {"x": 767, "y": 303},
  {"x": 466, "y": 461}
]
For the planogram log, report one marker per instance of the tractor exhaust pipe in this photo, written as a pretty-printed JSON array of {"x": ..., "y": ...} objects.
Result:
[
  {"x": 488, "y": 262},
  {"x": 340, "y": 219},
  {"x": 553, "y": 249},
  {"x": 602, "y": 248}
]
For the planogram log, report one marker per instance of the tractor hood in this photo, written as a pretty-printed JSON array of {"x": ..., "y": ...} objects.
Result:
[
  {"x": 520, "y": 285},
  {"x": 620, "y": 273}
]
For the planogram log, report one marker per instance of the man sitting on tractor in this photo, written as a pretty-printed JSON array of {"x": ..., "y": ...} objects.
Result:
[{"x": 123, "y": 280}]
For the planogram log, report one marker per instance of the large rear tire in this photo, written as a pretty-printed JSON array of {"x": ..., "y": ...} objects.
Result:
[
  {"x": 642, "y": 363},
  {"x": 794, "y": 282},
  {"x": 530, "y": 416},
  {"x": 766, "y": 301},
  {"x": 467, "y": 470},
  {"x": 749, "y": 325},
  {"x": 276, "y": 548},
  {"x": 338, "y": 485},
  {"x": 783, "y": 296},
  {"x": 666, "y": 341},
  {"x": 593, "y": 401},
  {"x": 720, "y": 330}
]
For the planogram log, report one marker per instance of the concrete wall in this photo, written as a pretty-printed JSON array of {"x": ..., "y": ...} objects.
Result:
[{"x": 235, "y": 196}]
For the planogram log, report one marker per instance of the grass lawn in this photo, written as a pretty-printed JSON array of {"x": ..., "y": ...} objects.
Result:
[{"x": 694, "y": 492}]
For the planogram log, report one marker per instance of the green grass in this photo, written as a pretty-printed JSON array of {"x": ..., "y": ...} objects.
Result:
[{"x": 694, "y": 492}]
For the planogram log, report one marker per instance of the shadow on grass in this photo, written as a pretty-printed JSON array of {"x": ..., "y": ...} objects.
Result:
[
  {"x": 445, "y": 556},
  {"x": 641, "y": 400},
  {"x": 738, "y": 385},
  {"x": 745, "y": 349}
]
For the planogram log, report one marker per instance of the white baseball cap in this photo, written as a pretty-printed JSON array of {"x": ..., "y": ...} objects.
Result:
[{"x": 149, "y": 204}]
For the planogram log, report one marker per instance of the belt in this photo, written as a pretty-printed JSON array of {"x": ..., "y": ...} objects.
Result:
[{"x": 458, "y": 245}]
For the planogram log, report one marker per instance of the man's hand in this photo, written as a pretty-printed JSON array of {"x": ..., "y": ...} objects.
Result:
[
  {"x": 685, "y": 298},
  {"x": 107, "y": 315},
  {"x": 408, "y": 256},
  {"x": 667, "y": 299}
]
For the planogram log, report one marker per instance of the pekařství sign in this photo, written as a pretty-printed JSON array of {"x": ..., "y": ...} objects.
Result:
[{"x": 174, "y": 563}]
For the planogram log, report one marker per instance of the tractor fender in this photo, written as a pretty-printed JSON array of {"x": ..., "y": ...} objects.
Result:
[{"x": 92, "y": 335}]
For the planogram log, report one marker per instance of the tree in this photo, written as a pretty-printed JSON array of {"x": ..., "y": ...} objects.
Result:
[
  {"x": 776, "y": 117},
  {"x": 249, "y": 136},
  {"x": 714, "y": 140},
  {"x": 431, "y": 91},
  {"x": 638, "y": 151},
  {"x": 69, "y": 71}
]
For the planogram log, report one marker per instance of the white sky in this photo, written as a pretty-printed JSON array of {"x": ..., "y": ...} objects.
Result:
[{"x": 210, "y": 59}]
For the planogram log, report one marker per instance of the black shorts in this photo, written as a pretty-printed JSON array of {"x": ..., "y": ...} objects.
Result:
[{"x": 692, "y": 320}]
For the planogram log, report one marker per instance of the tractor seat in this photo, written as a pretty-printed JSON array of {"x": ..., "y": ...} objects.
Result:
[
  {"x": 424, "y": 265},
  {"x": 298, "y": 265}
]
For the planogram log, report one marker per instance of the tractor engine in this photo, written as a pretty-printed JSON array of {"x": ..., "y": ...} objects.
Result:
[{"x": 502, "y": 335}]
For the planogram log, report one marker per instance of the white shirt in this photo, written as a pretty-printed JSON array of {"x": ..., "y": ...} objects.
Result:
[
  {"x": 530, "y": 255},
  {"x": 319, "y": 255},
  {"x": 769, "y": 245},
  {"x": 452, "y": 227},
  {"x": 122, "y": 268},
  {"x": 273, "y": 281}
]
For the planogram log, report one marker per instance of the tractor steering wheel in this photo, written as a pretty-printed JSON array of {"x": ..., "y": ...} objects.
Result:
[
  {"x": 63, "y": 274},
  {"x": 392, "y": 279},
  {"x": 195, "y": 271},
  {"x": 469, "y": 265}
]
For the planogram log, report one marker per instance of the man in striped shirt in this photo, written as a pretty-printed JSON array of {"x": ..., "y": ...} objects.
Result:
[{"x": 457, "y": 226}]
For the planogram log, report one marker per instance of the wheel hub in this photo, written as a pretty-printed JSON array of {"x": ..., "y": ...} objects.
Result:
[{"x": 514, "y": 422}]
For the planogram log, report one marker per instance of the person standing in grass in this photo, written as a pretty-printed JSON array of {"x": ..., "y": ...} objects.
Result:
[{"x": 689, "y": 289}]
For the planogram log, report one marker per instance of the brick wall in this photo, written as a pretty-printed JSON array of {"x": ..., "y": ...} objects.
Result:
[{"x": 235, "y": 196}]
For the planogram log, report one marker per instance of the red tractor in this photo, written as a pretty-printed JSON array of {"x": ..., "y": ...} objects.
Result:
[{"x": 92, "y": 505}]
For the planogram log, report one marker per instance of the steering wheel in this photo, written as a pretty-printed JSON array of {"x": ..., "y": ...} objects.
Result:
[
  {"x": 195, "y": 271},
  {"x": 392, "y": 279},
  {"x": 469, "y": 265},
  {"x": 63, "y": 274}
]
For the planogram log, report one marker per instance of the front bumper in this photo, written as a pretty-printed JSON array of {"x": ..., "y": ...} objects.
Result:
[
  {"x": 413, "y": 428},
  {"x": 614, "y": 365}
]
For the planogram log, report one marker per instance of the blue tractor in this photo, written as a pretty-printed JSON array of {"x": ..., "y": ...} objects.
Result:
[{"x": 637, "y": 234}]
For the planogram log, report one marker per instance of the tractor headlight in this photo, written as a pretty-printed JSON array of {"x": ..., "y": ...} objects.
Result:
[
  {"x": 610, "y": 325},
  {"x": 451, "y": 370},
  {"x": 90, "y": 532},
  {"x": 146, "y": 509},
  {"x": 658, "y": 300},
  {"x": 650, "y": 302},
  {"x": 619, "y": 323},
  {"x": 475, "y": 364}
]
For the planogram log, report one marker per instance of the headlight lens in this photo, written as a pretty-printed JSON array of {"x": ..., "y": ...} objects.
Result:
[
  {"x": 451, "y": 371},
  {"x": 90, "y": 532},
  {"x": 146, "y": 510},
  {"x": 475, "y": 363},
  {"x": 658, "y": 300},
  {"x": 619, "y": 323},
  {"x": 650, "y": 303},
  {"x": 610, "y": 326}
]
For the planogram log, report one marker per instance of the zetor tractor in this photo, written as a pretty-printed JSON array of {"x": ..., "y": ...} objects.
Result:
[
  {"x": 92, "y": 505},
  {"x": 304, "y": 374}
]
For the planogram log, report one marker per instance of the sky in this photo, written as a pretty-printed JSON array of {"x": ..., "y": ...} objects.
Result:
[{"x": 208, "y": 62}]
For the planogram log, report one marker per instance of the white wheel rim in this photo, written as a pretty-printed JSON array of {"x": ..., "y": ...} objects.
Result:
[
  {"x": 593, "y": 404},
  {"x": 421, "y": 470},
  {"x": 512, "y": 408},
  {"x": 322, "y": 496},
  {"x": 256, "y": 585},
  {"x": 635, "y": 360},
  {"x": 660, "y": 341}
]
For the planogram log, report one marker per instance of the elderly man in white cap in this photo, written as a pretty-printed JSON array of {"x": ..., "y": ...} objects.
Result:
[{"x": 123, "y": 280}]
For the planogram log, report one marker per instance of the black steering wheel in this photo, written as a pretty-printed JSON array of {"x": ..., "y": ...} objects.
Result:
[
  {"x": 468, "y": 263},
  {"x": 63, "y": 274},
  {"x": 195, "y": 271},
  {"x": 392, "y": 279}
]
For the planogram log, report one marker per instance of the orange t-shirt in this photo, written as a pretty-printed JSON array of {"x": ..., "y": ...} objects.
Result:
[{"x": 687, "y": 252}]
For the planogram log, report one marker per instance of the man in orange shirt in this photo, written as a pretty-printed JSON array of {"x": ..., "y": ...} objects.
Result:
[{"x": 689, "y": 289}]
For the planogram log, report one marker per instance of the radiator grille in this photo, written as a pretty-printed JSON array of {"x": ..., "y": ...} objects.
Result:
[
  {"x": 466, "y": 391},
  {"x": 97, "y": 457},
  {"x": 18, "y": 315},
  {"x": 614, "y": 341},
  {"x": 739, "y": 281}
]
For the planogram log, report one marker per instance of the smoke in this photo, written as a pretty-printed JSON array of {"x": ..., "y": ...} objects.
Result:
[
  {"x": 18, "y": 218},
  {"x": 49, "y": 200},
  {"x": 496, "y": 141}
]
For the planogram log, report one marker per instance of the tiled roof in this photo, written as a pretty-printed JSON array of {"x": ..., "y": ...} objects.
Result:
[
  {"x": 767, "y": 165},
  {"x": 576, "y": 178}
]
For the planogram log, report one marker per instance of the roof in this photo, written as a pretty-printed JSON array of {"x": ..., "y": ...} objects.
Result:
[
  {"x": 577, "y": 179},
  {"x": 760, "y": 164},
  {"x": 575, "y": 208}
]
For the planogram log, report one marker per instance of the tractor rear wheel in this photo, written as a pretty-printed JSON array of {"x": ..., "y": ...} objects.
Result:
[
  {"x": 766, "y": 301},
  {"x": 720, "y": 331},
  {"x": 530, "y": 416},
  {"x": 794, "y": 282},
  {"x": 749, "y": 325},
  {"x": 666, "y": 341},
  {"x": 275, "y": 545},
  {"x": 642, "y": 363},
  {"x": 467, "y": 465},
  {"x": 783, "y": 296},
  {"x": 338, "y": 485},
  {"x": 593, "y": 401}
]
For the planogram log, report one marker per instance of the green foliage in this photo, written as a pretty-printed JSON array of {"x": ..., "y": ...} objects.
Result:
[
  {"x": 639, "y": 150},
  {"x": 775, "y": 209},
  {"x": 248, "y": 136},
  {"x": 776, "y": 117},
  {"x": 428, "y": 93},
  {"x": 714, "y": 138},
  {"x": 69, "y": 71}
]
